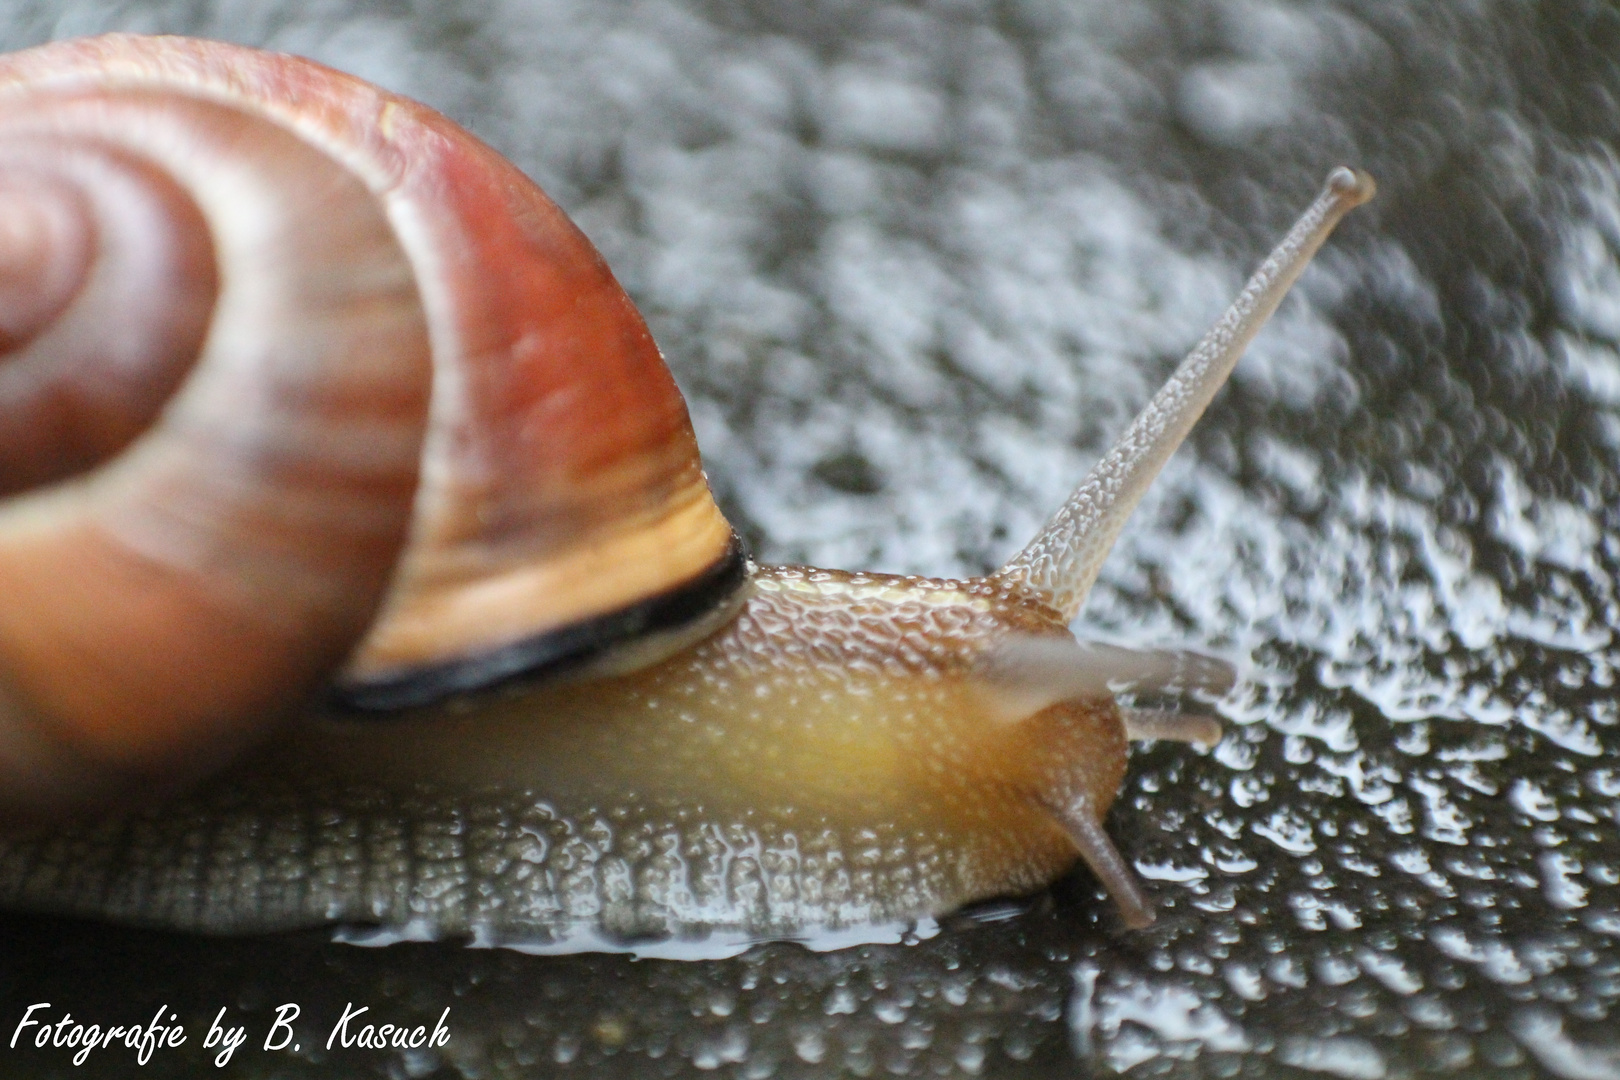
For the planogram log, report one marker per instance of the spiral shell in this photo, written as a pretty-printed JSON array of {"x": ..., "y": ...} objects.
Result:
[{"x": 302, "y": 349}]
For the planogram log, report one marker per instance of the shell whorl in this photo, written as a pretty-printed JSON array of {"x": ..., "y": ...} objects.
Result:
[{"x": 313, "y": 376}]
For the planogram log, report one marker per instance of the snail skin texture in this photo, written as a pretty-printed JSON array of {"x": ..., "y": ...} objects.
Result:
[{"x": 334, "y": 458}]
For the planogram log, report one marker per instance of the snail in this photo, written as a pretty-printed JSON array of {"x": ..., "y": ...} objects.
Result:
[{"x": 359, "y": 566}]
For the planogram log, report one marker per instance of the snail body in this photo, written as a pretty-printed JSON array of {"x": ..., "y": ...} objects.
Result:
[
  {"x": 500, "y": 667},
  {"x": 730, "y": 789}
]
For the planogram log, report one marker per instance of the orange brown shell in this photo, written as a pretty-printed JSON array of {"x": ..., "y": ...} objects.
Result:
[{"x": 556, "y": 482}]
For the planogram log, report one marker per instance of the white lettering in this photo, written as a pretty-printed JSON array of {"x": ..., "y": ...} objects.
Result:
[
  {"x": 153, "y": 1035},
  {"x": 28, "y": 1021},
  {"x": 340, "y": 1033},
  {"x": 441, "y": 1030},
  {"x": 226, "y": 1038},
  {"x": 285, "y": 1015}
]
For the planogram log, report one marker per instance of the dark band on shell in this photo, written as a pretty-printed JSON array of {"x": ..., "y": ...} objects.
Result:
[{"x": 687, "y": 611}]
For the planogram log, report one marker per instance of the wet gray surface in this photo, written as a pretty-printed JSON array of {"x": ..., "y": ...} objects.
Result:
[{"x": 914, "y": 264}]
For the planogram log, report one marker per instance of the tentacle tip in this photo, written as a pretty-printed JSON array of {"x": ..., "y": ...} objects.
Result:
[
  {"x": 1352, "y": 186},
  {"x": 1204, "y": 732},
  {"x": 1194, "y": 728},
  {"x": 1137, "y": 916},
  {"x": 1097, "y": 850}
]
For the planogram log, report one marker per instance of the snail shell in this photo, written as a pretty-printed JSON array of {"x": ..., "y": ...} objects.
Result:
[
  {"x": 283, "y": 249},
  {"x": 376, "y": 418}
]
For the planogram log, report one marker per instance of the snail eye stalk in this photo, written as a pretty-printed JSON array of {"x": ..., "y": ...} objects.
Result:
[{"x": 1061, "y": 562}]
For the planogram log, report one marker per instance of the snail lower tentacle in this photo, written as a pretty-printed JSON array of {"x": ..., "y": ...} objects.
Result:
[{"x": 390, "y": 502}]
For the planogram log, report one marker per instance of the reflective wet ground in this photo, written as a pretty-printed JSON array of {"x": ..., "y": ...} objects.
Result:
[{"x": 914, "y": 264}]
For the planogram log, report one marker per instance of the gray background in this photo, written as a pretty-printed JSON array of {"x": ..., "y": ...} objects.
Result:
[{"x": 914, "y": 264}]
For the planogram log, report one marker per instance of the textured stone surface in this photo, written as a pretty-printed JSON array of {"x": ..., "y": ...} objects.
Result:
[{"x": 914, "y": 264}]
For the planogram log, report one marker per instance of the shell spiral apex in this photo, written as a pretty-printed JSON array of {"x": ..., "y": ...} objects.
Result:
[
  {"x": 379, "y": 338},
  {"x": 376, "y": 425}
]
